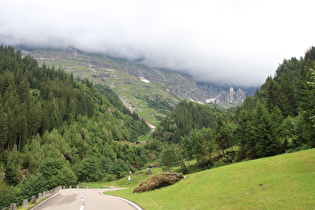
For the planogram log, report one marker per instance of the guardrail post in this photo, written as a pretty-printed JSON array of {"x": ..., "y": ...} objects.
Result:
[
  {"x": 33, "y": 199},
  {"x": 25, "y": 203},
  {"x": 13, "y": 206},
  {"x": 40, "y": 195}
]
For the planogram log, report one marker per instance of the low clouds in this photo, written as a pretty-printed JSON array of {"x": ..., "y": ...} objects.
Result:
[{"x": 225, "y": 42}]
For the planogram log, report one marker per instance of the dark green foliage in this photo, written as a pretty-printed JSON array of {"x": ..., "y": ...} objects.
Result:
[
  {"x": 134, "y": 124},
  {"x": 34, "y": 184},
  {"x": 224, "y": 134},
  {"x": 52, "y": 125},
  {"x": 158, "y": 181},
  {"x": 259, "y": 132},
  {"x": 121, "y": 168},
  {"x": 171, "y": 156},
  {"x": 267, "y": 132},
  {"x": 282, "y": 90},
  {"x": 9, "y": 195},
  {"x": 225, "y": 159},
  {"x": 185, "y": 117},
  {"x": 198, "y": 144},
  {"x": 55, "y": 130},
  {"x": 13, "y": 174},
  {"x": 55, "y": 173},
  {"x": 37, "y": 99},
  {"x": 280, "y": 117},
  {"x": 310, "y": 54},
  {"x": 307, "y": 106},
  {"x": 89, "y": 170}
]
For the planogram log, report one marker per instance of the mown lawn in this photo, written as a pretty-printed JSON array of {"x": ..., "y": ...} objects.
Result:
[{"x": 282, "y": 182}]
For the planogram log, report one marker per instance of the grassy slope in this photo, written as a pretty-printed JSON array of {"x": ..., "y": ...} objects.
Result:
[
  {"x": 129, "y": 87},
  {"x": 282, "y": 182},
  {"x": 125, "y": 85}
]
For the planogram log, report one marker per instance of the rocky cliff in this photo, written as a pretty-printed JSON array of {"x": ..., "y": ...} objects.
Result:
[{"x": 219, "y": 95}]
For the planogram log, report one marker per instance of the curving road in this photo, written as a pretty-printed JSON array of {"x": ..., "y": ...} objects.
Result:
[{"x": 85, "y": 199}]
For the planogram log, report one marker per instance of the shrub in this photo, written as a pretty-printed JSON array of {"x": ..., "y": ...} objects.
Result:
[
  {"x": 158, "y": 181},
  {"x": 9, "y": 194},
  {"x": 89, "y": 170}
]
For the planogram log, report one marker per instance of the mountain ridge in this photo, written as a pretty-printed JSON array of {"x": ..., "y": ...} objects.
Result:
[{"x": 137, "y": 85}]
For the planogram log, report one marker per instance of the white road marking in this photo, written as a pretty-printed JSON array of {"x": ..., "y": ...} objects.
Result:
[{"x": 82, "y": 205}]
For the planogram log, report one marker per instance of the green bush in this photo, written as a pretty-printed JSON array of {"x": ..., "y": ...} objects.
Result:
[
  {"x": 89, "y": 170},
  {"x": 9, "y": 194},
  {"x": 158, "y": 181}
]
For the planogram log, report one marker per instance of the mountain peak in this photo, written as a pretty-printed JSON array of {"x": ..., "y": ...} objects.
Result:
[{"x": 71, "y": 51}]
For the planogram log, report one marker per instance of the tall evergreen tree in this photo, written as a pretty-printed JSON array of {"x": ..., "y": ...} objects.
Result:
[{"x": 199, "y": 144}]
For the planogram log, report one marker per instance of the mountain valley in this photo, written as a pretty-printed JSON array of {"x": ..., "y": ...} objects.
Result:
[{"x": 151, "y": 92}]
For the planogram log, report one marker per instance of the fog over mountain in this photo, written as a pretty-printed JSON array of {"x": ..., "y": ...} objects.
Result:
[{"x": 224, "y": 42}]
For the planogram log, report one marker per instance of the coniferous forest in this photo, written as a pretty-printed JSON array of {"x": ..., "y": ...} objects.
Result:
[
  {"x": 58, "y": 130},
  {"x": 279, "y": 118}
]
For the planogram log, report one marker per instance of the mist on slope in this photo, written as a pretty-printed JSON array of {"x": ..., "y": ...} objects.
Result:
[{"x": 222, "y": 42}]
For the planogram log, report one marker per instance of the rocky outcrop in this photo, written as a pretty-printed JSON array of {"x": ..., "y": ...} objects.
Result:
[
  {"x": 71, "y": 51},
  {"x": 235, "y": 97},
  {"x": 231, "y": 96}
]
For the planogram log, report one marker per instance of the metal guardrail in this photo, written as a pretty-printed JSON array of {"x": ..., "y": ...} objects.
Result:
[{"x": 32, "y": 200}]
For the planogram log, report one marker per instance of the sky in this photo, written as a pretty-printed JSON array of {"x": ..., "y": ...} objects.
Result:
[{"x": 225, "y": 42}]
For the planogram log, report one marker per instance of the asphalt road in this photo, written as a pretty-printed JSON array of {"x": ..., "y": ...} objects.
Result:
[{"x": 84, "y": 199}]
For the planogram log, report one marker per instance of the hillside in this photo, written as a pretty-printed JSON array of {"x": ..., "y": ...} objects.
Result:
[
  {"x": 186, "y": 116},
  {"x": 55, "y": 130},
  {"x": 281, "y": 182},
  {"x": 151, "y": 92},
  {"x": 279, "y": 118}
]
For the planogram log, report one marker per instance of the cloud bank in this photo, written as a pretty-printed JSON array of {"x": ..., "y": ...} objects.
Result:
[{"x": 223, "y": 42}]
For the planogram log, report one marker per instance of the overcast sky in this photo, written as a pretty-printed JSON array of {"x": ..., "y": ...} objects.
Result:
[{"x": 235, "y": 42}]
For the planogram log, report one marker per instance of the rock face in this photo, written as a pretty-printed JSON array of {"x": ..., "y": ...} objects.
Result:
[
  {"x": 71, "y": 51},
  {"x": 235, "y": 97},
  {"x": 223, "y": 96}
]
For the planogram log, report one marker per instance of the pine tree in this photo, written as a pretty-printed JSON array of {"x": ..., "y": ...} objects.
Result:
[
  {"x": 307, "y": 107},
  {"x": 3, "y": 129},
  {"x": 199, "y": 144},
  {"x": 223, "y": 135},
  {"x": 267, "y": 140}
]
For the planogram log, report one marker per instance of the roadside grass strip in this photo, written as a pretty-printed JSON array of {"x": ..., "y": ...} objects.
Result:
[{"x": 281, "y": 182}]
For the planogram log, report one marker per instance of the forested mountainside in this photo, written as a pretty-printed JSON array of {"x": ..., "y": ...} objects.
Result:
[
  {"x": 187, "y": 116},
  {"x": 281, "y": 115},
  {"x": 279, "y": 118},
  {"x": 150, "y": 91},
  {"x": 56, "y": 130}
]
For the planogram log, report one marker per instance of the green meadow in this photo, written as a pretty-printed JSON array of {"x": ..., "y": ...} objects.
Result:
[{"x": 281, "y": 182}]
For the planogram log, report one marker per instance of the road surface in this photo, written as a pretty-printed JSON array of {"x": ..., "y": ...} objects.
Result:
[{"x": 84, "y": 199}]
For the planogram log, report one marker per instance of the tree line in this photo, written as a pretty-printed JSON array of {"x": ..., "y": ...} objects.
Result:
[
  {"x": 58, "y": 130},
  {"x": 279, "y": 118}
]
